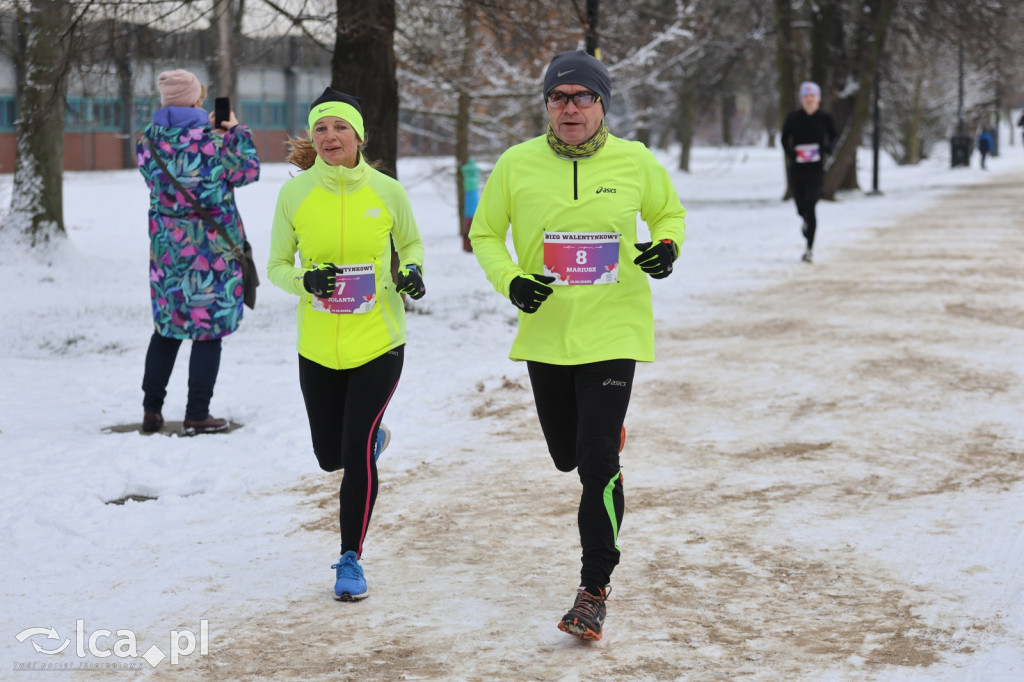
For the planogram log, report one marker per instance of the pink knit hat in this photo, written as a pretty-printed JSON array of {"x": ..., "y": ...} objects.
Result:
[{"x": 178, "y": 88}]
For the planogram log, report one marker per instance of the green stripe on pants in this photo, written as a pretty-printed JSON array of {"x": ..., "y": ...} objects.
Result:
[{"x": 609, "y": 506}]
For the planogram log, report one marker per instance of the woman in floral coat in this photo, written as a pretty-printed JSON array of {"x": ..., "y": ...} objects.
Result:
[{"x": 195, "y": 283}]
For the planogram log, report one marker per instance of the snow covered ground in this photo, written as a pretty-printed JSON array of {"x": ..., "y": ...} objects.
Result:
[{"x": 823, "y": 472}]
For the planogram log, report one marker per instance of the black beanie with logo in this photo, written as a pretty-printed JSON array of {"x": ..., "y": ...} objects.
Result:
[{"x": 579, "y": 68}]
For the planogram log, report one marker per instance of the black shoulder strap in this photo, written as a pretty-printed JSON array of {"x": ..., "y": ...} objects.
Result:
[{"x": 236, "y": 251}]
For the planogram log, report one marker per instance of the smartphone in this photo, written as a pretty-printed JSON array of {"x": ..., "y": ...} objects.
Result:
[{"x": 221, "y": 111}]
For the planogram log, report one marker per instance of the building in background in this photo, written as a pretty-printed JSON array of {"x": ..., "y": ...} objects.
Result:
[{"x": 110, "y": 101}]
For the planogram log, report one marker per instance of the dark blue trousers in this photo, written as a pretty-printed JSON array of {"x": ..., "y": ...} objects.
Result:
[{"x": 203, "y": 366}]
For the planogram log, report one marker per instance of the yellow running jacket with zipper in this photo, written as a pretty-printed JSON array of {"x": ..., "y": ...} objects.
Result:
[
  {"x": 533, "y": 190},
  {"x": 345, "y": 216}
]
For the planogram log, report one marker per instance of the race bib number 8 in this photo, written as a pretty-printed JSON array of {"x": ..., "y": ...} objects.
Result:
[
  {"x": 355, "y": 291},
  {"x": 582, "y": 257},
  {"x": 807, "y": 153}
]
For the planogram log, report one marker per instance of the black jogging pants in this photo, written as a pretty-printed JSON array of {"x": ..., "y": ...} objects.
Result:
[
  {"x": 345, "y": 408},
  {"x": 581, "y": 409}
]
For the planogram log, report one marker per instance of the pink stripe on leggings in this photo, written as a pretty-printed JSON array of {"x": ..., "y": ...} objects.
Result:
[{"x": 369, "y": 469}]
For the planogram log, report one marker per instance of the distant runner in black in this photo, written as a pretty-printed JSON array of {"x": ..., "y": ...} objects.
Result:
[{"x": 808, "y": 136}]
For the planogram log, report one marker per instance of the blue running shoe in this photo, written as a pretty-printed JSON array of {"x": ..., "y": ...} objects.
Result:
[
  {"x": 350, "y": 584},
  {"x": 383, "y": 438}
]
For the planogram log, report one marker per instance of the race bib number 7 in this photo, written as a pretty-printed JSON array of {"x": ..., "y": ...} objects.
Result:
[
  {"x": 582, "y": 257},
  {"x": 355, "y": 291}
]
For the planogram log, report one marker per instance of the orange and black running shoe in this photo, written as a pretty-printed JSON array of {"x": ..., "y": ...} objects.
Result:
[{"x": 586, "y": 617}]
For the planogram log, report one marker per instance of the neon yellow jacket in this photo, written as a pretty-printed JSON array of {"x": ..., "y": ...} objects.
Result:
[
  {"x": 534, "y": 191},
  {"x": 345, "y": 216}
]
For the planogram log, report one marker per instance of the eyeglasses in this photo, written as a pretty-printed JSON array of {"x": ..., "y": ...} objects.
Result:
[{"x": 583, "y": 99}]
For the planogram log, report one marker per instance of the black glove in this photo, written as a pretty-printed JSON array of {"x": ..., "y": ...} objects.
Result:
[
  {"x": 320, "y": 280},
  {"x": 410, "y": 282},
  {"x": 656, "y": 260},
  {"x": 527, "y": 294}
]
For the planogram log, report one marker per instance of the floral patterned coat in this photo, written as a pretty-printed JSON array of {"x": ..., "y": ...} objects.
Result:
[{"x": 195, "y": 284}]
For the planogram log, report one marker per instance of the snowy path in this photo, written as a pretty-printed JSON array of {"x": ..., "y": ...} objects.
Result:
[
  {"x": 823, "y": 473},
  {"x": 780, "y": 460}
]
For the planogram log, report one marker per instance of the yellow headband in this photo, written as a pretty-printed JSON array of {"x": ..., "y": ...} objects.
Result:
[{"x": 341, "y": 110}]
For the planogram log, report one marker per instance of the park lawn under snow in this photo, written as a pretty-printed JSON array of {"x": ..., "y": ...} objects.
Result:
[{"x": 221, "y": 530}]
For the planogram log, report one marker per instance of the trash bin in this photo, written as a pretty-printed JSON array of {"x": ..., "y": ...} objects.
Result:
[{"x": 960, "y": 150}]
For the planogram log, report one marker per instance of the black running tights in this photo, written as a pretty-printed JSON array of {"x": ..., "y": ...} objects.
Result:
[
  {"x": 345, "y": 408},
  {"x": 806, "y": 189},
  {"x": 581, "y": 410}
]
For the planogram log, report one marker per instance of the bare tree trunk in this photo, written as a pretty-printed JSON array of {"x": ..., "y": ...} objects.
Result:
[
  {"x": 844, "y": 165},
  {"x": 685, "y": 130},
  {"x": 784, "y": 63},
  {"x": 728, "y": 112},
  {"x": 37, "y": 200},
  {"x": 785, "y": 67},
  {"x": 226, "y": 67},
  {"x": 643, "y": 130},
  {"x": 363, "y": 65},
  {"x": 126, "y": 90},
  {"x": 913, "y": 139},
  {"x": 464, "y": 104},
  {"x": 826, "y": 37},
  {"x": 643, "y": 134}
]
